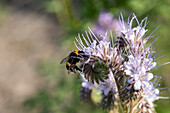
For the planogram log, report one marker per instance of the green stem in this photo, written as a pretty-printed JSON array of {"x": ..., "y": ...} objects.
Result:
[{"x": 120, "y": 108}]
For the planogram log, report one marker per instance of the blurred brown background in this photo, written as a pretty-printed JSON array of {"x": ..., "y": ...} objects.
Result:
[{"x": 26, "y": 37}]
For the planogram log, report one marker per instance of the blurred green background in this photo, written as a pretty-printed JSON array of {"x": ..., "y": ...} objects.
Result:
[{"x": 35, "y": 35}]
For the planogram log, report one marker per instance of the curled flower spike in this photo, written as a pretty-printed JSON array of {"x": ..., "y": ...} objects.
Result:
[
  {"x": 122, "y": 72},
  {"x": 85, "y": 95},
  {"x": 108, "y": 100}
]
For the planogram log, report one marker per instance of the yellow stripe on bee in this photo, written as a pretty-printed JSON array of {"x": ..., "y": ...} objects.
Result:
[
  {"x": 68, "y": 64},
  {"x": 77, "y": 52}
]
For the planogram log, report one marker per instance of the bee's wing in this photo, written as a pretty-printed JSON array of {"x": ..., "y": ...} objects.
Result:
[{"x": 64, "y": 60}]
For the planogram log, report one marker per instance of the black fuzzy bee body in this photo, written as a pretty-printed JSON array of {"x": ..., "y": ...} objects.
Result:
[{"x": 73, "y": 58}]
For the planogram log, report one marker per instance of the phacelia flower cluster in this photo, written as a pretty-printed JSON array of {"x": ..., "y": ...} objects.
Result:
[
  {"x": 106, "y": 22},
  {"x": 121, "y": 71}
]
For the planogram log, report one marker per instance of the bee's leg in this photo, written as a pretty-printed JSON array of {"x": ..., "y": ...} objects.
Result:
[
  {"x": 75, "y": 72},
  {"x": 72, "y": 69},
  {"x": 68, "y": 68},
  {"x": 68, "y": 71},
  {"x": 78, "y": 69}
]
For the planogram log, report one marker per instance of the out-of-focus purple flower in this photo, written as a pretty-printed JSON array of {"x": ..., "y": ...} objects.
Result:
[
  {"x": 106, "y": 22},
  {"x": 99, "y": 30}
]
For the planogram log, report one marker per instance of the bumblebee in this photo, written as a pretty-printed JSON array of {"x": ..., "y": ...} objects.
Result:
[{"x": 73, "y": 58}]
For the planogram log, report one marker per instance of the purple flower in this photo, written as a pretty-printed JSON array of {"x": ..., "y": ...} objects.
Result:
[
  {"x": 106, "y": 22},
  {"x": 138, "y": 68}
]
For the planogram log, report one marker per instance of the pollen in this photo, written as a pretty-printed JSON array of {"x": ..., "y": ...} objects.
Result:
[{"x": 77, "y": 52}]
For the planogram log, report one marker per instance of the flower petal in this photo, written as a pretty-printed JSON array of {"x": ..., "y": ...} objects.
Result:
[{"x": 137, "y": 85}]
